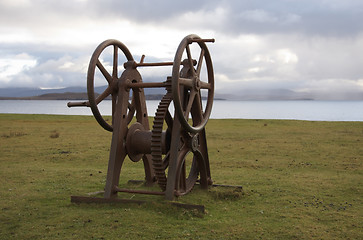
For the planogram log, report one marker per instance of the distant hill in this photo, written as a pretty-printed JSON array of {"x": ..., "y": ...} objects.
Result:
[
  {"x": 31, "y": 92},
  {"x": 69, "y": 93},
  {"x": 267, "y": 94},
  {"x": 71, "y": 96},
  {"x": 80, "y": 93},
  {"x": 52, "y": 96}
]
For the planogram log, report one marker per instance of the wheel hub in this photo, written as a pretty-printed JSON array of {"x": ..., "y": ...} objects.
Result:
[{"x": 197, "y": 84}]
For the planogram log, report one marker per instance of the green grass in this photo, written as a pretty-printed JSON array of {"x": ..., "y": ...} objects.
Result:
[{"x": 301, "y": 180}]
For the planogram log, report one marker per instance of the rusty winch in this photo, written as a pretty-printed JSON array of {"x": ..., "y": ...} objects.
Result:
[{"x": 174, "y": 152}]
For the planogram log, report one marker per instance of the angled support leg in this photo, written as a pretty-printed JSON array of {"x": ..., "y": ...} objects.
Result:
[{"x": 117, "y": 151}]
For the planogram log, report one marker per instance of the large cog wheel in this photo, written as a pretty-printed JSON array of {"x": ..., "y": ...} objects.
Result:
[
  {"x": 160, "y": 163},
  {"x": 187, "y": 164}
]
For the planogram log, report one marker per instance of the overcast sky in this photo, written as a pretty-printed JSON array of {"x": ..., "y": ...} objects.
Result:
[{"x": 301, "y": 45}]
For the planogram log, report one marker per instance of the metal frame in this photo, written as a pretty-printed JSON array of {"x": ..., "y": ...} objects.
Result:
[{"x": 165, "y": 148}]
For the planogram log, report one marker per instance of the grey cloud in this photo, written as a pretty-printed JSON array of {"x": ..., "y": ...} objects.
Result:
[
  {"x": 326, "y": 36},
  {"x": 332, "y": 18},
  {"x": 260, "y": 17},
  {"x": 144, "y": 11},
  {"x": 50, "y": 74},
  {"x": 47, "y": 72}
]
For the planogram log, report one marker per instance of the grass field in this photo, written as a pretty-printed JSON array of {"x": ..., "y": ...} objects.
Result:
[{"x": 301, "y": 180}]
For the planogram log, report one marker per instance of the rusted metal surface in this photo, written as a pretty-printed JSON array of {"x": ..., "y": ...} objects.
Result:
[
  {"x": 174, "y": 152},
  {"x": 126, "y": 190}
]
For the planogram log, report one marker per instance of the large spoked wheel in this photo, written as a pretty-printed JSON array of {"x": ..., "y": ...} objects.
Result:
[
  {"x": 95, "y": 67},
  {"x": 188, "y": 83}
]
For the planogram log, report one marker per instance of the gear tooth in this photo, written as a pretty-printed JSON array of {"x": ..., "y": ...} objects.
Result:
[
  {"x": 163, "y": 180},
  {"x": 156, "y": 152},
  {"x": 158, "y": 121}
]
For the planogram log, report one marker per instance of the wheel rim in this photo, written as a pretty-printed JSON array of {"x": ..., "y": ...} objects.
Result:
[
  {"x": 112, "y": 79},
  {"x": 187, "y": 84}
]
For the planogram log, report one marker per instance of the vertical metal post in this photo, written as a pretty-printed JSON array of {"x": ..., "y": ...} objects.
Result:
[
  {"x": 117, "y": 151},
  {"x": 173, "y": 162}
]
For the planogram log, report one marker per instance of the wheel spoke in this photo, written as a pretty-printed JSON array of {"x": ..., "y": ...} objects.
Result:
[
  {"x": 104, "y": 72},
  {"x": 182, "y": 179},
  {"x": 198, "y": 109},
  {"x": 115, "y": 61},
  {"x": 192, "y": 95},
  {"x": 103, "y": 95},
  {"x": 205, "y": 85},
  {"x": 190, "y": 60},
  {"x": 186, "y": 82},
  {"x": 200, "y": 62}
]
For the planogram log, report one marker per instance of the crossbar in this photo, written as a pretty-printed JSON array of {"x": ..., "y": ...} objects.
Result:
[
  {"x": 158, "y": 64},
  {"x": 146, "y": 85}
]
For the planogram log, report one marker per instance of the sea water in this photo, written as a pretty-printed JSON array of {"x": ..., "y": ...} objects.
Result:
[{"x": 222, "y": 109}]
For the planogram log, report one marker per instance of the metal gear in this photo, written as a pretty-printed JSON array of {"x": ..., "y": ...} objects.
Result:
[
  {"x": 162, "y": 113},
  {"x": 184, "y": 180}
]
